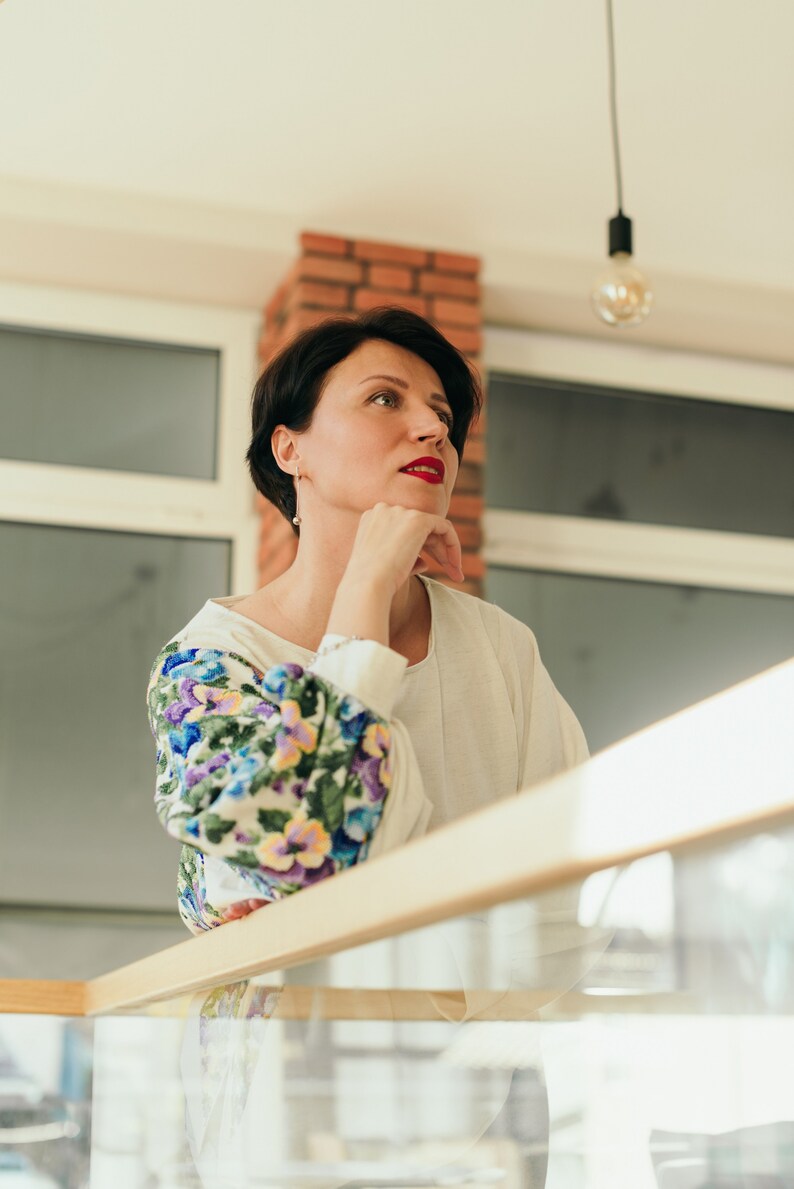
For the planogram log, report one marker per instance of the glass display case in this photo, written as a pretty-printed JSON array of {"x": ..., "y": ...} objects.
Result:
[{"x": 591, "y": 985}]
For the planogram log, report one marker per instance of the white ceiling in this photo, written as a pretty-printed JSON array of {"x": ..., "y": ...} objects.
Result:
[{"x": 473, "y": 126}]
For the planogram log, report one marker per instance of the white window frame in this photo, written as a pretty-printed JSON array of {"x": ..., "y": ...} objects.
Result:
[
  {"x": 222, "y": 508},
  {"x": 649, "y": 553}
]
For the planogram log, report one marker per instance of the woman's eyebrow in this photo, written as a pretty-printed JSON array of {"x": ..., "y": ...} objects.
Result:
[{"x": 402, "y": 384}]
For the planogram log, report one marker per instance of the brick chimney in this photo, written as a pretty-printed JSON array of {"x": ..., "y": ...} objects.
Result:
[{"x": 336, "y": 276}]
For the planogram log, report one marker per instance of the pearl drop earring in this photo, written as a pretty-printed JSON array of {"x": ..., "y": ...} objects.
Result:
[{"x": 296, "y": 518}]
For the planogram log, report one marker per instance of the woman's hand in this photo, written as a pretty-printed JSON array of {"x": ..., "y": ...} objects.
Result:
[
  {"x": 385, "y": 553},
  {"x": 388, "y": 543}
]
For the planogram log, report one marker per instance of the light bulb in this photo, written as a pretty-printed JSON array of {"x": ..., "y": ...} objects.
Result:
[{"x": 621, "y": 295}]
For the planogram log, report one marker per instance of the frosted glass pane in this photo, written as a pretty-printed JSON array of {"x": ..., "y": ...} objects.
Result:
[
  {"x": 625, "y": 654},
  {"x": 653, "y": 459},
  {"x": 83, "y": 613},
  {"x": 108, "y": 403}
]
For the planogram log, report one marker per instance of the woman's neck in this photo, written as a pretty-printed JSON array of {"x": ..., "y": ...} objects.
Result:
[{"x": 304, "y": 594}]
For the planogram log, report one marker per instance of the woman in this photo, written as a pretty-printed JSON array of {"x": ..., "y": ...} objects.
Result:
[{"x": 351, "y": 704}]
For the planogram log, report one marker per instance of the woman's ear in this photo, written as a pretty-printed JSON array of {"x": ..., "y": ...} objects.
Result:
[{"x": 284, "y": 445}]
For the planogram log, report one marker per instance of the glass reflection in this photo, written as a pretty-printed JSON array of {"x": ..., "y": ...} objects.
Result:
[{"x": 631, "y": 1031}]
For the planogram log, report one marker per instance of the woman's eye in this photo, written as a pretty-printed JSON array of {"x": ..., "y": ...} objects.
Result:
[{"x": 446, "y": 417}]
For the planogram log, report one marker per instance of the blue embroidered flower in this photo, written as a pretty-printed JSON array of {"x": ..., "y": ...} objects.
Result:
[
  {"x": 183, "y": 664},
  {"x": 343, "y": 849},
  {"x": 360, "y": 823},
  {"x": 241, "y": 771},
  {"x": 353, "y": 719},
  {"x": 279, "y": 680},
  {"x": 181, "y": 741}
]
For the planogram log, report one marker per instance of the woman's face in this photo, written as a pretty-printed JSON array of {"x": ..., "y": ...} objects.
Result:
[{"x": 381, "y": 409}]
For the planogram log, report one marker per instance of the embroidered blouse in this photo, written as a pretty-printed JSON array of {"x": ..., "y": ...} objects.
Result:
[{"x": 276, "y": 769}]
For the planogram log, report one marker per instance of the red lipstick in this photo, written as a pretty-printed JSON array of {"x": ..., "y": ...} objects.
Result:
[{"x": 434, "y": 472}]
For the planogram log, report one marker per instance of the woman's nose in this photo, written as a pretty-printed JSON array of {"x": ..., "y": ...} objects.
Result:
[{"x": 430, "y": 427}]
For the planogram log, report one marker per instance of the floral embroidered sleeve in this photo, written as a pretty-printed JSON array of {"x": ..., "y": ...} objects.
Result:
[{"x": 281, "y": 775}]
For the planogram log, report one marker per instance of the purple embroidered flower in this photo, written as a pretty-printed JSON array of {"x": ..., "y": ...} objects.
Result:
[
  {"x": 296, "y": 736},
  {"x": 176, "y": 712},
  {"x": 243, "y": 838},
  {"x": 299, "y": 876},
  {"x": 282, "y": 785},
  {"x": 265, "y": 709},
  {"x": 368, "y": 770},
  {"x": 197, "y": 773}
]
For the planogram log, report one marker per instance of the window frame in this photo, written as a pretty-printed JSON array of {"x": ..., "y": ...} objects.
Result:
[
  {"x": 222, "y": 508},
  {"x": 652, "y": 552}
]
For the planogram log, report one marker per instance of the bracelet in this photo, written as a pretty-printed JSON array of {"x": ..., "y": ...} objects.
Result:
[{"x": 326, "y": 648}]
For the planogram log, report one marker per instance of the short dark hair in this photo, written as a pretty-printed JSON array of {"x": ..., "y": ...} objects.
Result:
[{"x": 290, "y": 387}]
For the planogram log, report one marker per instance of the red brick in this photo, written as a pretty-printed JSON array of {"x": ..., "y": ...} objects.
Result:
[
  {"x": 329, "y": 268},
  {"x": 452, "y": 262},
  {"x": 316, "y": 293},
  {"x": 474, "y": 450},
  {"x": 265, "y": 347},
  {"x": 390, "y": 253},
  {"x": 478, "y": 427},
  {"x": 330, "y": 245},
  {"x": 438, "y": 282},
  {"x": 301, "y": 319},
  {"x": 466, "y": 507},
  {"x": 473, "y": 565},
  {"x": 367, "y": 299},
  {"x": 470, "y": 535},
  {"x": 456, "y": 313},
  {"x": 464, "y": 340},
  {"x": 479, "y": 368},
  {"x": 384, "y": 276},
  {"x": 469, "y": 478}
]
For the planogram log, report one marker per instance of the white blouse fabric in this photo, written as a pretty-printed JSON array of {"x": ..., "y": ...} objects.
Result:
[{"x": 475, "y": 721}]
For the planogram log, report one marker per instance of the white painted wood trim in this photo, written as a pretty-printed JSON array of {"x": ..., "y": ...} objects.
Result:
[
  {"x": 223, "y": 508},
  {"x": 644, "y": 552},
  {"x": 717, "y": 771},
  {"x": 640, "y": 368}
]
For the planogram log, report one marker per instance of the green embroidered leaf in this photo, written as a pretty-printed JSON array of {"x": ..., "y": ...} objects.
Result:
[
  {"x": 260, "y": 781},
  {"x": 332, "y": 801},
  {"x": 313, "y": 804},
  {"x": 247, "y": 688},
  {"x": 272, "y": 820},
  {"x": 248, "y": 732},
  {"x": 216, "y": 828},
  {"x": 246, "y": 858},
  {"x": 308, "y": 701},
  {"x": 334, "y": 760}
]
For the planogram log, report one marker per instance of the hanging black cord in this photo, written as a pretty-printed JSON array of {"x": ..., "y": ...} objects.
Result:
[{"x": 614, "y": 106}]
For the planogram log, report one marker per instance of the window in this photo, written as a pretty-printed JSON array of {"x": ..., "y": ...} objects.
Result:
[
  {"x": 646, "y": 536},
  {"x": 125, "y": 504}
]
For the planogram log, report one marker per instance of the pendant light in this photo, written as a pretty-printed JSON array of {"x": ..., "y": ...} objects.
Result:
[{"x": 621, "y": 296}]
